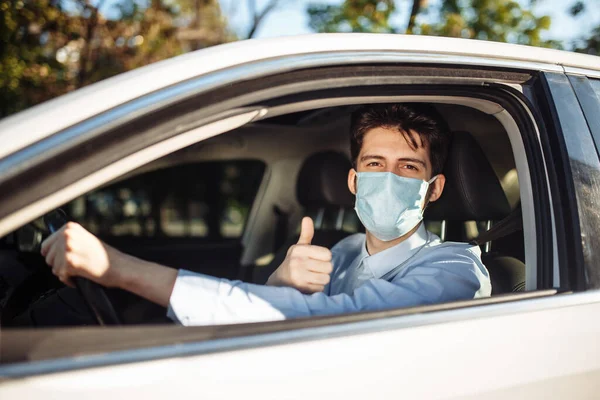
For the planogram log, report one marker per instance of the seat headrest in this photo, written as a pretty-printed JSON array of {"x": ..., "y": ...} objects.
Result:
[
  {"x": 472, "y": 191},
  {"x": 322, "y": 181}
]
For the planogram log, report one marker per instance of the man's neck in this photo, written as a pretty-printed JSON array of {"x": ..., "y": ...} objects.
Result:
[{"x": 375, "y": 245}]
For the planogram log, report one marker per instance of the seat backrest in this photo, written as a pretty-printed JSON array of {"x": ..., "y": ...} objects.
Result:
[
  {"x": 322, "y": 181},
  {"x": 474, "y": 193},
  {"x": 321, "y": 186}
]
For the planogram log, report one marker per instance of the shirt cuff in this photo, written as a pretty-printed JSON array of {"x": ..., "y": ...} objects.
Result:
[{"x": 194, "y": 298}]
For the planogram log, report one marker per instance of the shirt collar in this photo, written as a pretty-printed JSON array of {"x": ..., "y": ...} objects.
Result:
[{"x": 381, "y": 263}]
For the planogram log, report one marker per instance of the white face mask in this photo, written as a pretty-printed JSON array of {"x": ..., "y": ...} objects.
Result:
[{"x": 388, "y": 205}]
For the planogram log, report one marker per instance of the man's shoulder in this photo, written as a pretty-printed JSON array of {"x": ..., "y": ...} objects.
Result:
[
  {"x": 455, "y": 258},
  {"x": 456, "y": 249},
  {"x": 452, "y": 261}
]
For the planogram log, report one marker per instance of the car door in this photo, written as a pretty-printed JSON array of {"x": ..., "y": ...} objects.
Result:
[{"x": 533, "y": 344}]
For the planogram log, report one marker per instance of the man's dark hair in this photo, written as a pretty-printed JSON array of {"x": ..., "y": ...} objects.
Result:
[{"x": 423, "y": 119}]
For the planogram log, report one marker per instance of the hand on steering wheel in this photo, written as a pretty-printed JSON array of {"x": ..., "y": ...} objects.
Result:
[{"x": 94, "y": 295}]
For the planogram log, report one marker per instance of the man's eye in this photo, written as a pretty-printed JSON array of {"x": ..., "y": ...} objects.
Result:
[
  {"x": 373, "y": 164},
  {"x": 411, "y": 167}
]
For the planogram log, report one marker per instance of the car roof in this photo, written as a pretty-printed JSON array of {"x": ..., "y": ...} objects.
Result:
[{"x": 39, "y": 122}]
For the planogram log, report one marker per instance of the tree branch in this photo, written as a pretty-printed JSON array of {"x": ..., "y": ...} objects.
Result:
[
  {"x": 86, "y": 51},
  {"x": 258, "y": 17},
  {"x": 416, "y": 7}
]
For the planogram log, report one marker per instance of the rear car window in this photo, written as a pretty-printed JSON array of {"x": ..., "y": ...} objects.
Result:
[{"x": 209, "y": 200}]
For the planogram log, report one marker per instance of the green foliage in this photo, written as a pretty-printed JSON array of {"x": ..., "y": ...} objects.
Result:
[
  {"x": 497, "y": 20},
  {"x": 49, "y": 47},
  {"x": 591, "y": 43},
  {"x": 353, "y": 16},
  {"x": 577, "y": 8},
  {"x": 30, "y": 34}
]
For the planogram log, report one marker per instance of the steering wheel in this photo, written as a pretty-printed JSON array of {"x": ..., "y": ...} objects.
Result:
[{"x": 94, "y": 295}]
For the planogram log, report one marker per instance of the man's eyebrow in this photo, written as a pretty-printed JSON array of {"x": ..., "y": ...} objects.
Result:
[
  {"x": 415, "y": 160},
  {"x": 402, "y": 159},
  {"x": 371, "y": 157}
]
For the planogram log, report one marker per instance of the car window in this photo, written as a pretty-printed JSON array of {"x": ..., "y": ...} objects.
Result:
[
  {"x": 596, "y": 85},
  {"x": 205, "y": 200}
]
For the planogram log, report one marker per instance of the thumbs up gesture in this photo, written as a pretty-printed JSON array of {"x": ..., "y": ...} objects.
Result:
[{"x": 306, "y": 267}]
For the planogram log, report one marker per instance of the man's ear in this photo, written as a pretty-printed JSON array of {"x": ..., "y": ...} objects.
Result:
[
  {"x": 352, "y": 181},
  {"x": 437, "y": 187}
]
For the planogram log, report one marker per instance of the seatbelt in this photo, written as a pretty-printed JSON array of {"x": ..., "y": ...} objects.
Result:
[{"x": 511, "y": 224}]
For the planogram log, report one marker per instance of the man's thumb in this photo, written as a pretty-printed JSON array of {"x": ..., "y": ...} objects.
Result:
[{"x": 307, "y": 231}]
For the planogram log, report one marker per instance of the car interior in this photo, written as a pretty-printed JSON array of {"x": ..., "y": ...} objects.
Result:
[{"x": 230, "y": 206}]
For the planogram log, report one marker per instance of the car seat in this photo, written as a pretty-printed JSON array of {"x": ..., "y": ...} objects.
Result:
[{"x": 474, "y": 193}]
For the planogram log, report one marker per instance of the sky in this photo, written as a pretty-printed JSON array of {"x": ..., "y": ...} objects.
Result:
[{"x": 291, "y": 17}]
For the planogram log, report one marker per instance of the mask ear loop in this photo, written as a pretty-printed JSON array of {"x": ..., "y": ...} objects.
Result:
[{"x": 428, "y": 194}]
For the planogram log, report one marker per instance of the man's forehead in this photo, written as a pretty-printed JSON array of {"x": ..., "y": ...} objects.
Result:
[{"x": 395, "y": 139}]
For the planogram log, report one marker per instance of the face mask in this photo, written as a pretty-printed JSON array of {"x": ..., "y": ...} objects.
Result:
[{"x": 388, "y": 205}]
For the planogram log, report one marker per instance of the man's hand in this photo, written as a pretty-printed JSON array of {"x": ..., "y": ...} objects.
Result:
[
  {"x": 306, "y": 267},
  {"x": 73, "y": 251}
]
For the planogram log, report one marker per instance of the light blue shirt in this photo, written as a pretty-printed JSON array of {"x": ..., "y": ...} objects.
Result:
[{"x": 420, "y": 270}]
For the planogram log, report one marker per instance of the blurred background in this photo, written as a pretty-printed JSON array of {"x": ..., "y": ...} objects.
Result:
[{"x": 50, "y": 47}]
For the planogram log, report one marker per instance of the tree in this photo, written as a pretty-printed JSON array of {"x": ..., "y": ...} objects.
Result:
[
  {"x": 202, "y": 24},
  {"x": 141, "y": 34},
  {"x": 256, "y": 15},
  {"x": 353, "y": 16},
  {"x": 31, "y": 33},
  {"x": 589, "y": 44},
  {"x": 49, "y": 47},
  {"x": 498, "y": 20},
  {"x": 417, "y": 5}
]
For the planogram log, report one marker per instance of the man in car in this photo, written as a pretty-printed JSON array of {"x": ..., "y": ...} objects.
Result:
[{"x": 398, "y": 153}]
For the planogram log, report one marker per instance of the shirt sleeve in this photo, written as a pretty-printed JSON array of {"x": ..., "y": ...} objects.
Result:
[{"x": 199, "y": 299}]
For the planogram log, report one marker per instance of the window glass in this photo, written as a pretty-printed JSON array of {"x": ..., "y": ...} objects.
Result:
[
  {"x": 577, "y": 112},
  {"x": 596, "y": 85},
  {"x": 207, "y": 200}
]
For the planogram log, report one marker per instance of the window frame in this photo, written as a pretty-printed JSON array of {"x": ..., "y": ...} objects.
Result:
[
  {"x": 567, "y": 130},
  {"x": 588, "y": 98},
  {"x": 148, "y": 129}
]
